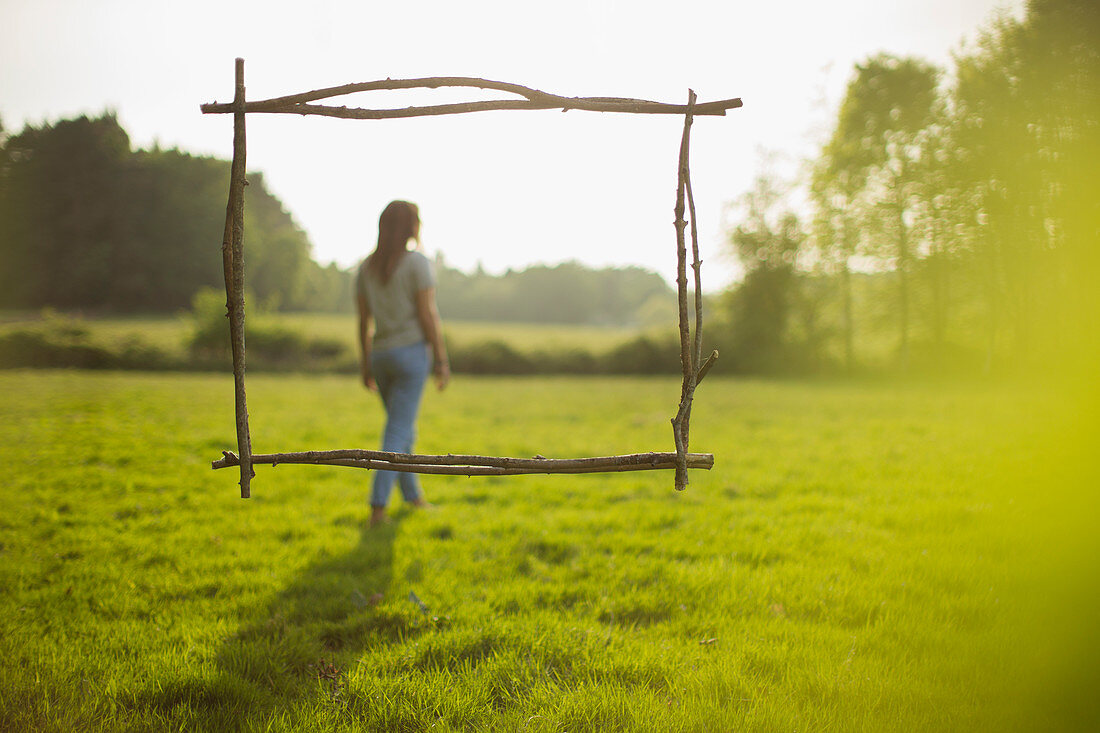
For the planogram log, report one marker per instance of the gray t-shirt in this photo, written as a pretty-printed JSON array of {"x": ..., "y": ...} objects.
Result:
[{"x": 393, "y": 304}]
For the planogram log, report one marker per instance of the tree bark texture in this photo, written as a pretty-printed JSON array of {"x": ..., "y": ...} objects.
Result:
[
  {"x": 688, "y": 363},
  {"x": 233, "y": 265}
]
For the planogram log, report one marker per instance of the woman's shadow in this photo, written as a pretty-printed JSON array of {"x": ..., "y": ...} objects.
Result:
[{"x": 320, "y": 626}]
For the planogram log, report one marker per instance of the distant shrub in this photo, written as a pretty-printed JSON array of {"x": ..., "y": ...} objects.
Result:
[
  {"x": 53, "y": 342},
  {"x": 267, "y": 345},
  {"x": 45, "y": 347},
  {"x": 566, "y": 361},
  {"x": 210, "y": 336},
  {"x": 490, "y": 357},
  {"x": 133, "y": 353},
  {"x": 278, "y": 346},
  {"x": 643, "y": 355}
]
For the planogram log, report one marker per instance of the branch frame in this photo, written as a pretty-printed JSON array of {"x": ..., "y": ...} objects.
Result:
[{"x": 528, "y": 99}]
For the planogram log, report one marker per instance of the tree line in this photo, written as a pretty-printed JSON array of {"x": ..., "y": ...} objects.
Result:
[
  {"x": 953, "y": 214},
  {"x": 86, "y": 222},
  {"x": 569, "y": 293}
]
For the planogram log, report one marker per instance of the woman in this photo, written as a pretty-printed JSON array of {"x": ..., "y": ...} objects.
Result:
[{"x": 398, "y": 321}]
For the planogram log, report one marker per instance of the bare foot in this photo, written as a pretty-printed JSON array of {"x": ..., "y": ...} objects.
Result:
[{"x": 378, "y": 516}]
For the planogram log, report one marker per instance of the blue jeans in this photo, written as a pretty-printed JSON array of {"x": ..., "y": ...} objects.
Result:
[{"x": 400, "y": 374}]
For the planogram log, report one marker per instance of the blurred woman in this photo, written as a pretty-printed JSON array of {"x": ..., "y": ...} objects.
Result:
[{"x": 398, "y": 324}]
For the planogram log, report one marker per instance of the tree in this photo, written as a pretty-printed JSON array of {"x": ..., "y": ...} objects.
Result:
[
  {"x": 63, "y": 194},
  {"x": 1060, "y": 43},
  {"x": 1025, "y": 138},
  {"x": 85, "y": 222},
  {"x": 835, "y": 196},
  {"x": 767, "y": 242},
  {"x": 939, "y": 199},
  {"x": 881, "y": 130}
]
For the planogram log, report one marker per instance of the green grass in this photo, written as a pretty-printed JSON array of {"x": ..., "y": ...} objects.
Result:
[{"x": 862, "y": 557}]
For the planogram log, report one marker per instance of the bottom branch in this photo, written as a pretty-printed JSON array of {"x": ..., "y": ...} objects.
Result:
[{"x": 474, "y": 465}]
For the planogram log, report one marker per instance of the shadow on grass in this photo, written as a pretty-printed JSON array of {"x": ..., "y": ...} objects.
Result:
[{"x": 293, "y": 650}]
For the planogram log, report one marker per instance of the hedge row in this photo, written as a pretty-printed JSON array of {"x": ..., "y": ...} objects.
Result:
[{"x": 56, "y": 343}]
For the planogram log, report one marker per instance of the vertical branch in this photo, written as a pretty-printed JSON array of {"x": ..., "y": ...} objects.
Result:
[
  {"x": 233, "y": 266},
  {"x": 696, "y": 263},
  {"x": 687, "y": 358}
]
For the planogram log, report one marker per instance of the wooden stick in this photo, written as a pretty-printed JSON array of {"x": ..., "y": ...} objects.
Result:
[
  {"x": 233, "y": 266},
  {"x": 696, "y": 264},
  {"x": 687, "y": 365},
  {"x": 471, "y": 465},
  {"x": 706, "y": 366},
  {"x": 360, "y": 113},
  {"x": 450, "y": 459},
  {"x": 435, "y": 82},
  {"x": 533, "y": 99},
  {"x": 391, "y": 84}
]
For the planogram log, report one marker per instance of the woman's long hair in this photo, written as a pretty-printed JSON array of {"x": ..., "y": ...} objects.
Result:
[{"x": 399, "y": 222}]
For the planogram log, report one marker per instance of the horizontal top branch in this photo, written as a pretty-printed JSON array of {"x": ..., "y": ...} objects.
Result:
[{"x": 532, "y": 99}]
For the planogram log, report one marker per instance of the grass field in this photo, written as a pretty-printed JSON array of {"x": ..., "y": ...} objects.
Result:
[{"x": 862, "y": 557}]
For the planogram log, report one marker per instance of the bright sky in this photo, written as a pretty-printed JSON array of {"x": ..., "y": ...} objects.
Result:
[{"x": 505, "y": 188}]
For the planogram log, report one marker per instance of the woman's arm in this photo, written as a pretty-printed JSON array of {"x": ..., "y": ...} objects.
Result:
[
  {"x": 430, "y": 323},
  {"x": 366, "y": 331}
]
